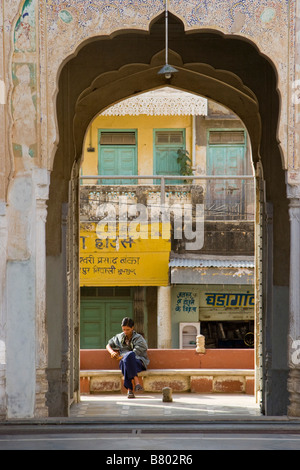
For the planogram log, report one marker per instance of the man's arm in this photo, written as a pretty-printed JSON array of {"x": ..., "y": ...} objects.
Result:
[
  {"x": 139, "y": 345},
  {"x": 111, "y": 351}
]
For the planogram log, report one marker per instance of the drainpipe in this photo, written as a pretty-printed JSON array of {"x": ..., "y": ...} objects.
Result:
[{"x": 194, "y": 145}]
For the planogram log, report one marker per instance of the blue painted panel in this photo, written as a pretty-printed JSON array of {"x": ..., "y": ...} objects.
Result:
[{"x": 225, "y": 198}]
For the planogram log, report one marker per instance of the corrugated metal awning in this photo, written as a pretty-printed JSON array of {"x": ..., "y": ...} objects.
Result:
[
  {"x": 212, "y": 270},
  {"x": 213, "y": 263}
]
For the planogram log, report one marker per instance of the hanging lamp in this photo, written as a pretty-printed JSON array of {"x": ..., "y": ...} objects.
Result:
[{"x": 167, "y": 69}]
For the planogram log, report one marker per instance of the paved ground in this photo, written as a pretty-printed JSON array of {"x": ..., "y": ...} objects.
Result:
[
  {"x": 150, "y": 406},
  {"x": 148, "y": 447},
  {"x": 146, "y": 429}
]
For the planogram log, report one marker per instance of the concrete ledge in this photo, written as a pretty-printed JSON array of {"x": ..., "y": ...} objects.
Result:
[
  {"x": 99, "y": 359},
  {"x": 113, "y": 372},
  {"x": 180, "y": 380}
]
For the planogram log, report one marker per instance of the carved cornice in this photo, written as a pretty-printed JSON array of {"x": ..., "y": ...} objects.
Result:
[{"x": 164, "y": 102}]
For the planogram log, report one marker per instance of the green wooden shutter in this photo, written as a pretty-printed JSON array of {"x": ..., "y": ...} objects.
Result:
[
  {"x": 126, "y": 163},
  {"x": 225, "y": 199},
  {"x": 166, "y": 144},
  {"x": 108, "y": 163},
  {"x": 117, "y": 156}
]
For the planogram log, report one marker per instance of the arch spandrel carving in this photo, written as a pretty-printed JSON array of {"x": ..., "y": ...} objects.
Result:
[
  {"x": 263, "y": 23},
  {"x": 266, "y": 24}
]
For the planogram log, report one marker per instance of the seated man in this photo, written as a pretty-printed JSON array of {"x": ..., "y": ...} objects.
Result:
[{"x": 131, "y": 348}]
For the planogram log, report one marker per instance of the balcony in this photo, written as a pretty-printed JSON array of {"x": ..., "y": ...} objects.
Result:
[
  {"x": 228, "y": 205},
  {"x": 224, "y": 197}
]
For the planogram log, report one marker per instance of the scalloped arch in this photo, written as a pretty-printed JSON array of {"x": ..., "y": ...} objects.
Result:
[{"x": 211, "y": 64}]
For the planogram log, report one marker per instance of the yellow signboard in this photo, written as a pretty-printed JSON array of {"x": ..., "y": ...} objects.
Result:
[{"x": 123, "y": 261}]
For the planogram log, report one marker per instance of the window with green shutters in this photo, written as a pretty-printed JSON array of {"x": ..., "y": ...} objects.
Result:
[
  {"x": 117, "y": 155},
  {"x": 166, "y": 144}
]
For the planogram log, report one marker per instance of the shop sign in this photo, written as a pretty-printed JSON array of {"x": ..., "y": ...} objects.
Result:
[
  {"x": 186, "y": 302},
  {"x": 122, "y": 261},
  {"x": 218, "y": 303},
  {"x": 226, "y": 299}
]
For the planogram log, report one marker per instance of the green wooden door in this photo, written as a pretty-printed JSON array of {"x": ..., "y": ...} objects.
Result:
[
  {"x": 166, "y": 144},
  {"x": 100, "y": 320},
  {"x": 117, "y": 158},
  {"x": 92, "y": 325},
  {"x": 116, "y": 310}
]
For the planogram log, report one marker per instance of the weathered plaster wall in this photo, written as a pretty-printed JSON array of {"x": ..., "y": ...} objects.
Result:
[
  {"x": 293, "y": 103},
  {"x": 24, "y": 190},
  {"x": 20, "y": 378}
]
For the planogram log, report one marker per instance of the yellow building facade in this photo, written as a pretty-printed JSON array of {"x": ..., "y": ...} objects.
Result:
[
  {"x": 144, "y": 126},
  {"x": 124, "y": 263}
]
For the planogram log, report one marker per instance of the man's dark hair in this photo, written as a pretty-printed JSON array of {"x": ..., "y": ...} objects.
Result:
[{"x": 127, "y": 322}]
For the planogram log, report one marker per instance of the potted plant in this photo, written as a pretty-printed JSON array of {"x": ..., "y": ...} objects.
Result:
[{"x": 185, "y": 163}]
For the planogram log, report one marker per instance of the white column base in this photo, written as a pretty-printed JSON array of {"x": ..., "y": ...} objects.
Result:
[{"x": 164, "y": 324}]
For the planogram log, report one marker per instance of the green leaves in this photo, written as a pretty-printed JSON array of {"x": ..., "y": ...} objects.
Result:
[{"x": 184, "y": 162}]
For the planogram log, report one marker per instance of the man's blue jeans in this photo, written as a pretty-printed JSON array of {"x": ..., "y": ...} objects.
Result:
[{"x": 130, "y": 366}]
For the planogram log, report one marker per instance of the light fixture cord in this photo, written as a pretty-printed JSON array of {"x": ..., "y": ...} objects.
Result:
[{"x": 166, "y": 21}]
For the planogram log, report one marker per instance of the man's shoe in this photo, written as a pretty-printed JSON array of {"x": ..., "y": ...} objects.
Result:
[
  {"x": 138, "y": 388},
  {"x": 130, "y": 394}
]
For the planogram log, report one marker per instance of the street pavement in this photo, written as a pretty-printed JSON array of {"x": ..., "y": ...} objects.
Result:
[{"x": 148, "y": 429}]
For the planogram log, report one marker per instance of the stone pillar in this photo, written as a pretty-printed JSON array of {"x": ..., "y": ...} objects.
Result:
[
  {"x": 26, "y": 338},
  {"x": 20, "y": 299},
  {"x": 3, "y": 247},
  {"x": 164, "y": 324},
  {"x": 294, "y": 320},
  {"x": 41, "y": 180},
  {"x": 66, "y": 314}
]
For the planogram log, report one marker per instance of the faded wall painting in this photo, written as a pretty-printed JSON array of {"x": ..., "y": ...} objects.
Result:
[
  {"x": 24, "y": 36},
  {"x": 24, "y": 109},
  {"x": 24, "y": 76}
]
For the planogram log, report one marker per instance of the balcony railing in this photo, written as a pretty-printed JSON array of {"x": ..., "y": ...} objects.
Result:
[{"x": 224, "y": 197}]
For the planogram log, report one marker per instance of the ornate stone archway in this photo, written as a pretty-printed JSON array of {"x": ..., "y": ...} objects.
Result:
[
  {"x": 223, "y": 76},
  {"x": 239, "y": 54}
]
